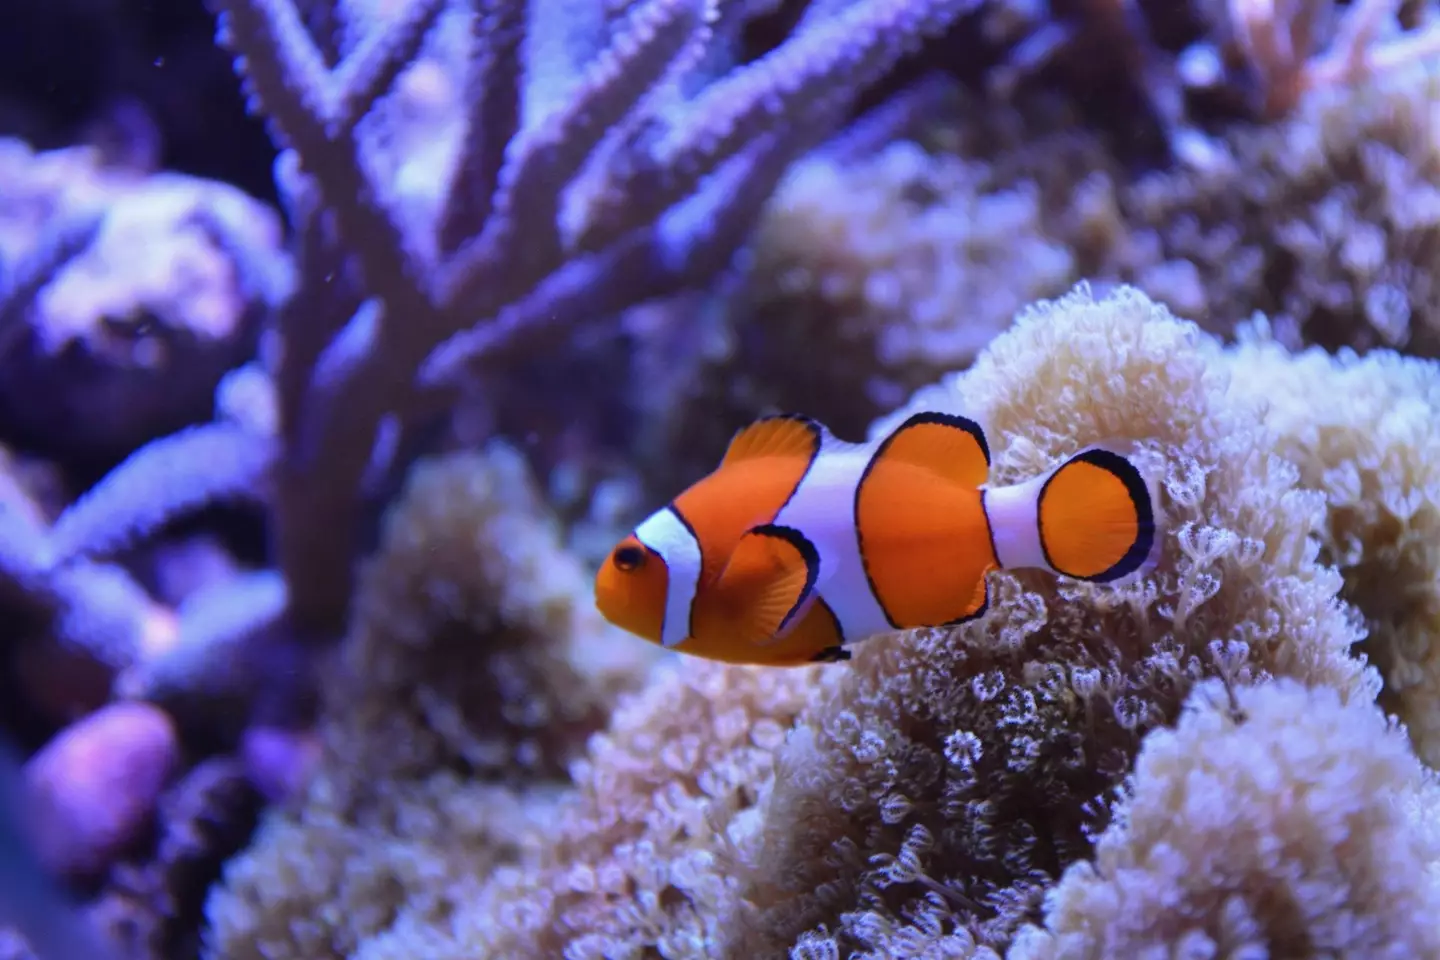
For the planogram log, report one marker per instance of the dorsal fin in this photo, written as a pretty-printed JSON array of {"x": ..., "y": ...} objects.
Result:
[
  {"x": 769, "y": 576},
  {"x": 947, "y": 444},
  {"x": 783, "y": 435}
]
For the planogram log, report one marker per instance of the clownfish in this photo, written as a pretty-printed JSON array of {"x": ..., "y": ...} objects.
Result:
[{"x": 799, "y": 544}]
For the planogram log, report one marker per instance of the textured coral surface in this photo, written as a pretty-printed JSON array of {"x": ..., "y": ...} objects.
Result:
[
  {"x": 305, "y": 473},
  {"x": 1318, "y": 868},
  {"x": 948, "y": 788}
]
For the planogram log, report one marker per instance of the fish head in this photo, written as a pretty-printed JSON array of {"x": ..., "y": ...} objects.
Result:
[{"x": 631, "y": 589}]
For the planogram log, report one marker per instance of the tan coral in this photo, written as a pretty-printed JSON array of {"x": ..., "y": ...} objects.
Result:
[
  {"x": 876, "y": 271},
  {"x": 1299, "y": 827},
  {"x": 934, "y": 788},
  {"x": 947, "y": 779},
  {"x": 873, "y": 274},
  {"x": 1328, "y": 222},
  {"x": 643, "y": 862},
  {"x": 1364, "y": 431},
  {"x": 476, "y": 643},
  {"x": 324, "y": 883},
  {"x": 913, "y": 236},
  {"x": 475, "y": 672},
  {"x": 927, "y": 794}
]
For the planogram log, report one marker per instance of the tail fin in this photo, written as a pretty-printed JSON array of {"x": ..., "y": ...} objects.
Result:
[{"x": 1095, "y": 517}]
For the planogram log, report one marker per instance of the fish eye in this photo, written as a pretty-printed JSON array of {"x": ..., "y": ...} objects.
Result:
[{"x": 628, "y": 558}]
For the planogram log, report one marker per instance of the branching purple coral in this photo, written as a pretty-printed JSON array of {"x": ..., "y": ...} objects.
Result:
[
  {"x": 641, "y": 181},
  {"x": 21, "y": 282},
  {"x": 94, "y": 610},
  {"x": 520, "y": 272},
  {"x": 210, "y": 463},
  {"x": 25, "y": 559}
]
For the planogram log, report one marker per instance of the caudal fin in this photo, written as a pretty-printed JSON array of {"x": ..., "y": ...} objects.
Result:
[{"x": 1098, "y": 516}]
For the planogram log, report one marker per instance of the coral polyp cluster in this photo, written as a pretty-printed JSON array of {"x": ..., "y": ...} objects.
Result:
[
  {"x": 342, "y": 340},
  {"x": 946, "y": 792}
]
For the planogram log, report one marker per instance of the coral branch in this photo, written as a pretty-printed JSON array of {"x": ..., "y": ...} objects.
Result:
[
  {"x": 161, "y": 481},
  {"x": 653, "y": 40},
  {"x": 789, "y": 84},
  {"x": 314, "y": 111},
  {"x": 380, "y": 288},
  {"x": 497, "y": 28},
  {"x": 23, "y": 281}
]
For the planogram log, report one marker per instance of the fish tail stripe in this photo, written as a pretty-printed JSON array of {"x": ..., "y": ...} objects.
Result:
[
  {"x": 990, "y": 527},
  {"x": 1012, "y": 524},
  {"x": 1096, "y": 517}
]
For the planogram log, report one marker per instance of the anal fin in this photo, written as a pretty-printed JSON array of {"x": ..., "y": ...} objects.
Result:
[{"x": 979, "y": 604}]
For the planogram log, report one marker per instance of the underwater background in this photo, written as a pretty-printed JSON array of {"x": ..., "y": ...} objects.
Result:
[{"x": 341, "y": 339}]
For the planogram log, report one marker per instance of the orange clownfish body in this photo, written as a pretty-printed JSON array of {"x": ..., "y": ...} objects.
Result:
[{"x": 800, "y": 544}]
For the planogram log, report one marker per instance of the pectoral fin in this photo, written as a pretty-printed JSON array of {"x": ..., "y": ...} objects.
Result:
[{"x": 769, "y": 577}]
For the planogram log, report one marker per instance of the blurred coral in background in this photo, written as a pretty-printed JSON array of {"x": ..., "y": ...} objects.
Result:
[{"x": 340, "y": 338}]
